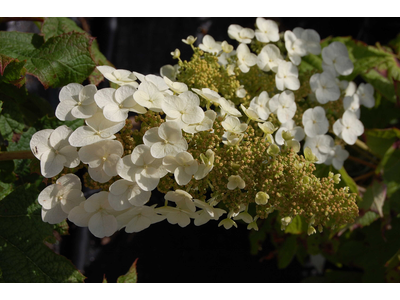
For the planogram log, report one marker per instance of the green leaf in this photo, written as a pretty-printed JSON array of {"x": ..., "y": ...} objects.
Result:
[
  {"x": 9, "y": 126},
  {"x": 368, "y": 218},
  {"x": 381, "y": 84},
  {"x": 374, "y": 197},
  {"x": 58, "y": 61},
  {"x": 130, "y": 276},
  {"x": 311, "y": 63},
  {"x": 23, "y": 255},
  {"x": 7, "y": 171},
  {"x": 14, "y": 73},
  {"x": 348, "y": 181},
  {"x": 287, "y": 252},
  {"x": 57, "y": 26},
  {"x": 392, "y": 167},
  {"x": 380, "y": 140},
  {"x": 297, "y": 226}
]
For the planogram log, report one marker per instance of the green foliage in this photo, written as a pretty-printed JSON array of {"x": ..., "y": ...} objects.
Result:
[{"x": 23, "y": 255}]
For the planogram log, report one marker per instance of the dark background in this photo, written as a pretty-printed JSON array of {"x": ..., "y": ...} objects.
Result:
[{"x": 168, "y": 253}]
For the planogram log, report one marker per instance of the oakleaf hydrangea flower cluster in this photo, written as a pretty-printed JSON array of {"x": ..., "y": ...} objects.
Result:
[{"x": 221, "y": 136}]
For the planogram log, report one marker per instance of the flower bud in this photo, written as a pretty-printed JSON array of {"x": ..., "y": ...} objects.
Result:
[
  {"x": 226, "y": 47},
  {"x": 176, "y": 53},
  {"x": 273, "y": 150},
  {"x": 190, "y": 40}
]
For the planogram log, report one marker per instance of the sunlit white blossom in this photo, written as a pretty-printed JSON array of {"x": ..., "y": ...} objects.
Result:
[
  {"x": 349, "y": 127},
  {"x": 267, "y": 31},
  {"x": 120, "y": 76},
  {"x": 283, "y": 105},
  {"x": 242, "y": 35},
  {"x": 182, "y": 165},
  {"x": 336, "y": 59},
  {"x": 337, "y": 156},
  {"x": 125, "y": 193},
  {"x": 246, "y": 59},
  {"x": 325, "y": 88},
  {"x": 138, "y": 218},
  {"x": 209, "y": 45},
  {"x": 366, "y": 93},
  {"x": 76, "y": 102},
  {"x": 315, "y": 121},
  {"x": 321, "y": 146},
  {"x": 269, "y": 58},
  {"x": 287, "y": 76}
]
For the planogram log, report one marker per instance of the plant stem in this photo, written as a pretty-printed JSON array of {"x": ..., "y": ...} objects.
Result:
[
  {"x": 362, "y": 162},
  {"x": 26, "y": 154}
]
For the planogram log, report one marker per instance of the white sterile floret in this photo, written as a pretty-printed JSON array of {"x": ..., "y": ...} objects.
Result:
[
  {"x": 206, "y": 213},
  {"x": 76, "y": 102},
  {"x": 245, "y": 59},
  {"x": 295, "y": 46},
  {"x": 283, "y": 105},
  {"x": 267, "y": 31},
  {"x": 148, "y": 95},
  {"x": 97, "y": 128},
  {"x": 242, "y": 35},
  {"x": 58, "y": 199},
  {"x": 321, "y": 146},
  {"x": 260, "y": 105},
  {"x": 225, "y": 58},
  {"x": 244, "y": 216},
  {"x": 337, "y": 156},
  {"x": 124, "y": 193},
  {"x": 325, "y": 88},
  {"x": 102, "y": 158},
  {"x": 269, "y": 58},
  {"x": 181, "y": 198},
  {"x": 206, "y": 166},
  {"x": 209, "y": 45},
  {"x": 182, "y": 165},
  {"x": 228, "y": 108},
  {"x": 311, "y": 38},
  {"x": 296, "y": 131},
  {"x": 241, "y": 92},
  {"x": 352, "y": 103},
  {"x": 97, "y": 214},
  {"x": 227, "y": 223},
  {"x": 366, "y": 93},
  {"x": 170, "y": 71},
  {"x": 141, "y": 167},
  {"x": 116, "y": 104},
  {"x": 315, "y": 121},
  {"x": 287, "y": 76},
  {"x": 158, "y": 81},
  {"x": 350, "y": 89},
  {"x": 165, "y": 140},
  {"x": 120, "y": 76},
  {"x": 189, "y": 40},
  {"x": 233, "y": 125},
  {"x": 204, "y": 125},
  {"x": 349, "y": 127},
  {"x": 336, "y": 59},
  {"x": 235, "y": 181},
  {"x": 251, "y": 113},
  {"x": 175, "y": 86},
  {"x": 212, "y": 97},
  {"x": 184, "y": 109},
  {"x": 138, "y": 218},
  {"x": 232, "y": 139},
  {"x": 176, "y": 215},
  {"x": 53, "y": 150},
  {"x": 268, "y": 127}
]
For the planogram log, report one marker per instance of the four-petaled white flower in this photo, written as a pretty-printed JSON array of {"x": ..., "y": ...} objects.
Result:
[
  {"x": 235, "y": 181},
  {"x": 76, "y": 102},
  {"x": 58, "y": 199},
  {"x": 142, "y": 167},
  {"x": 337, "y": 156},
  {"x": 97, "y": 214},
  {"x": 52, "y": 148},
  {"x": 175, "y": 86},
  {"x": 296, "y": 131},
  {"x": 321, "y": 146},
  {"x": 209, "y": 95},
  {"x": 315, "y": 121},
  {"x": 182, "y": 199},
  {"x": 325, "y": 88},
  {"x": 138, "y": 218},
  {"x": 116, "y": 104},
  {"x": 97, "y": 128},
  {"x": 182, "y": 165},
  {"x": 352, "y": 103},
  {"x": 102, "y": 158},
  {"x": 336, "y": 59},
  {"x": 287, "y": 76},
  {"x": 206, "y": 213},
  {"x": 267, "y": 31},
  {"x": 209, "y": 45},
  {"x": 184, "y": 109},
  {"x": 165, "y": 140},
  {"x": 124, "y": 193},
  {"x": 269, "y": 58},
  {"x": 349, "y": 127},
  {"x": 283, "y": 105},
  {"x": 148, "y": 95},
  {"x": 242, "y": 35},
  {"x": 120, "y": 76},
  {"x": 233, "y": 125},
  {"x": 311, "y": 38},
  {"x": 295, "y": 46},
  {"x": 205, "y": 124},
  {"x": 260, "y": 105},
  {"x": 366, "y": 93},
  {"x": 228, "y": 108},
  {"x": 245, "y": 59}
]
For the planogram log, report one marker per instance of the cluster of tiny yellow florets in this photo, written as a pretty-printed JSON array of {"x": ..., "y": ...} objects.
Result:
[{"x": 203, "y": 71}]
